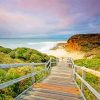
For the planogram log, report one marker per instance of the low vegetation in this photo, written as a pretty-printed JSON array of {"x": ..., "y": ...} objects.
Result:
[
  {"x": 19, "y": 55},
  {"x": 92, "y": 63},
  {"x": 23, "y": 54}
]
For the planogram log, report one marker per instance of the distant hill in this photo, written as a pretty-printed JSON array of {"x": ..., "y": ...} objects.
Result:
[{"x": 83, "y": 42}]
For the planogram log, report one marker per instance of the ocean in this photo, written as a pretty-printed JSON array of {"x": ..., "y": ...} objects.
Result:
[{"x": 42, "y": 45}]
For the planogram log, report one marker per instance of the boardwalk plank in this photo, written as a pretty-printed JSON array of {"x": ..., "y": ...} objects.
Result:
[{"x": 59, "y": 85}]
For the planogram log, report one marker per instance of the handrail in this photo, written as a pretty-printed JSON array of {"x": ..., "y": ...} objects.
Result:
[
  {"x": 83, "y": 82},
  {"x": 19, "y": 65},
  {"x": 91, "y": 71},
  {"x": 89, "y": 86},
  {"x": 11, "y": 82},
  {"x": 6, "y": 84}
]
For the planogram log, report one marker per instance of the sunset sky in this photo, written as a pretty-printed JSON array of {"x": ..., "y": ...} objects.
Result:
[{"x": 47, "y": 18}]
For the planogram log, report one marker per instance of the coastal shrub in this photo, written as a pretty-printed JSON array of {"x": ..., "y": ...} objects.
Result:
[
  {"x": 39, "y": 76},
  {"x": 5, "y": 50},
  {"x": 2, "y": 75},
  {"x": 5, "y": 58},
  {"x": 89, "y": 63},
  {"x": 93, "y": 63},
  {"x": 94, "y": 82},
  {"x": 97, "y": 56},
  {"x": 12, "y": 54},
  {"x": 28, "y": 55},
  {"x": 20, "y": 55},
  {"x": 45, "y": 58},
  {"x": 17, "y": 88},
  {"x": 35, "y": 58}
]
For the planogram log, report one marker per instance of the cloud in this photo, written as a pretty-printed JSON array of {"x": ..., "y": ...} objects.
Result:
[
  {"x": 27, "y": 18},
  {"x": 22, "y": 23}
]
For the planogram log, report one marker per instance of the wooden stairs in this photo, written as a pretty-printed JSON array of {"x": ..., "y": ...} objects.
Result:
[{"x": 59, "y": 85}]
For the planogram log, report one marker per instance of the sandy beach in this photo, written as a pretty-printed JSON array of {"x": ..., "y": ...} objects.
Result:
[{"x": 61, "y": 52}]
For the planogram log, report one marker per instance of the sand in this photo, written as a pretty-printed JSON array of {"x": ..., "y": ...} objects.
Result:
[{"x": 60, "y": 52}]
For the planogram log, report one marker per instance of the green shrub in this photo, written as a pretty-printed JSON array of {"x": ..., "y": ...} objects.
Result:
[
  {"x": 28, "y": 55},
  {"x": 89, "y": 63},
  {"x": 5, "y": 58},
  {"x": 93, "y": 63},
  {"x": 20, "y": 55},
  {"x": 17, "y": 88},
  {"x": 35, "y": 58},
  {"x": 5, "y": 50}
]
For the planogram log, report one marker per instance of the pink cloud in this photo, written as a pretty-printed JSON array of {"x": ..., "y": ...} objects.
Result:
[
  {"x": 20, "y": 23},
  {"x": 54, "y": 7},
  {"x": 43, "y": 16}
]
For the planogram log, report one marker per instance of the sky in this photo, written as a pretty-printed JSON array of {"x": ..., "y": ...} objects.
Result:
[{"x": 48, "y": 18}]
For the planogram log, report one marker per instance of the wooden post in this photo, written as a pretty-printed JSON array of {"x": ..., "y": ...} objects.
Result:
[
  {"x": 82, "y": 84},
  {"x": 74, "y": 69},
  {"x": 56, "y": 61},
  {"x": 72, "y": 63},
  {"x": 33, "y": 78},
  {"x": 50, "y": 62},
  {"x": 45, "y": 65}
]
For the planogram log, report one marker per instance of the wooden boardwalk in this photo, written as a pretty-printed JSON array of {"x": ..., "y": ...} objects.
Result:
[{"x": 59, "y": 85}]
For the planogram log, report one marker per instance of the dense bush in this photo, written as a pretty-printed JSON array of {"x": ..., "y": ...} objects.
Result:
[
  {"x": 5, "y": 50},
  {"x": 5, "y": 58},
  {"x": 23, "y": 55},
  {"x": 29, "y": 55},
  {"x": 35, "y": 58},
  {"x": 13, "y": 73},
  {"x": 19, "y": 55}
]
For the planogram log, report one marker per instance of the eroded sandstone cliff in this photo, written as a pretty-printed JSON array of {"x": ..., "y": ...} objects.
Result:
[{"x": 83, "y": 42}]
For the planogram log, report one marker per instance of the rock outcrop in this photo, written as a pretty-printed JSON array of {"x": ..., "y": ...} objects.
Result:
[{"x": 83, "y": 42}]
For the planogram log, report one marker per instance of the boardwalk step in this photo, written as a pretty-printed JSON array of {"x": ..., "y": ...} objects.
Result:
[
  {"x": 32, "y": 97},
  {"x": 64, "y": 84},
  {"x": 62, "y": 74},
  {"x": 52, "y": 92},
  {"x": 55, "y": 96},
  {"x": 59, "y": 85},
  {"x": 60, "y": 79},
  {"x": 66, "y": 89}
]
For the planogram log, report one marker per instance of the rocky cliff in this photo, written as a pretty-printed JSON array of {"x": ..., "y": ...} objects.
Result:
[{"x": 83, "y": 42}]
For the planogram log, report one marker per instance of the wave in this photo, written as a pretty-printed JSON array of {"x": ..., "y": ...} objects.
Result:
[
  {"x": 44, "y": 46},
  {"x": 38, "y": 44}
]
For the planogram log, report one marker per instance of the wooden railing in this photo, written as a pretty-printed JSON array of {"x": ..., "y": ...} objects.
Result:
[
  {"x": 32, "y": 74},
  {"x": 82, "y": 78},
  {"x": 47, "y": 68}
]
